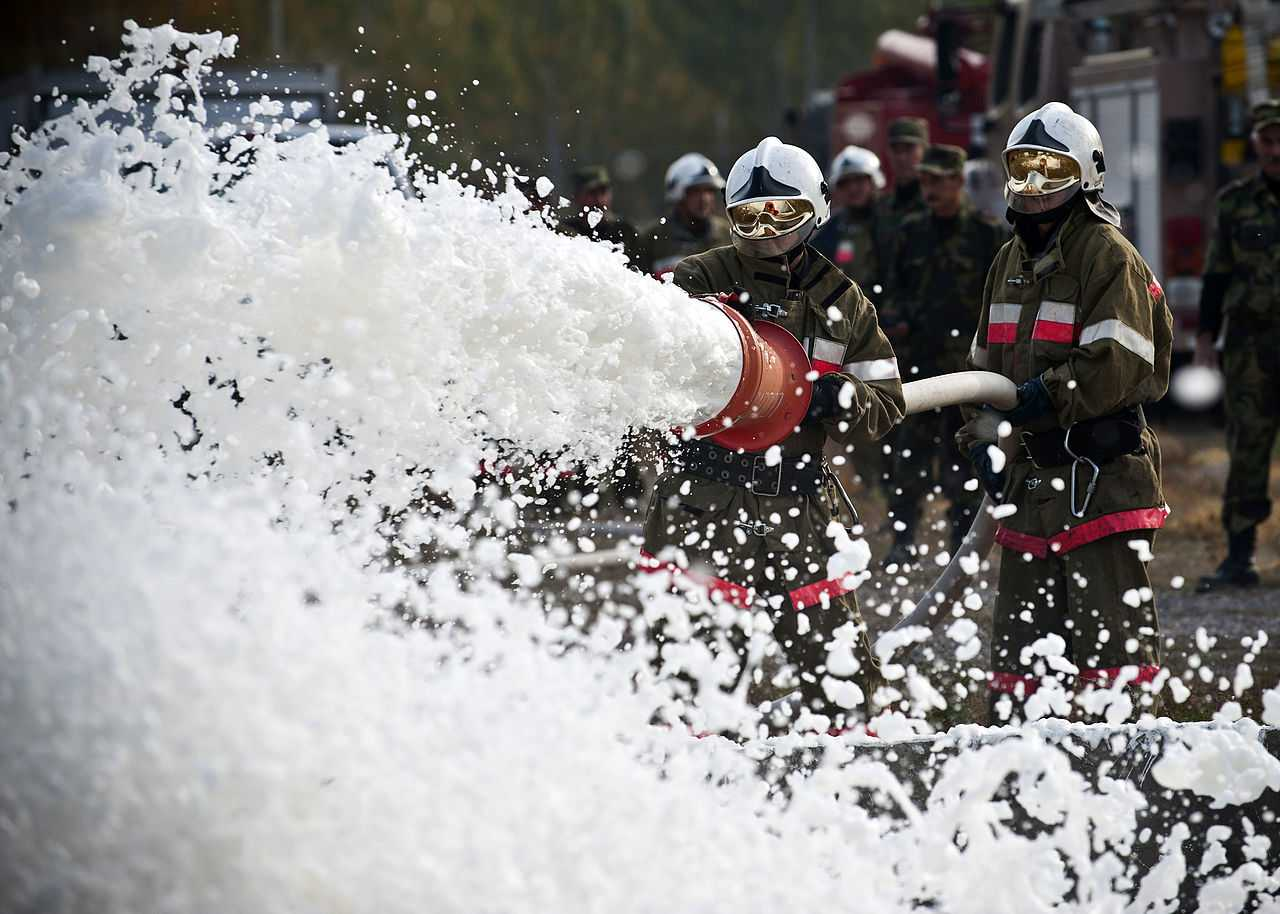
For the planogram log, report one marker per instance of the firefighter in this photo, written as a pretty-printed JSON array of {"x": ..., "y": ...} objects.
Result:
[
  {"x": 852, "y": 238},
  {"x": 592, "y": 211},
  {"x": 939, "y": 270},
  {"x": 762, "y": 527},
  {"x": 1073, "y": 315},
  {"x": 693, "y": 223},
  {"x": 1241, "y": 285}
]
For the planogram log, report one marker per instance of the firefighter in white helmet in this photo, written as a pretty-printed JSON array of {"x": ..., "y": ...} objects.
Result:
[
  {"x": 1073, "y": 315},
  {"x": 693, "y": 222},
  {"x": 760, "y": 531},
  {"x": 852, "y": 239}
]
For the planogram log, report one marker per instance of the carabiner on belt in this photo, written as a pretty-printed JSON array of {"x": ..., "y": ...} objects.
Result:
[
  {"x": 1077, "y": 460},
  {"x": 854, "y": 519}
]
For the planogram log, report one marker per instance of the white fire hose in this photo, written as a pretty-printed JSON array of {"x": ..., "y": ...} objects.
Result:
[{"x": 962, "y": 388}]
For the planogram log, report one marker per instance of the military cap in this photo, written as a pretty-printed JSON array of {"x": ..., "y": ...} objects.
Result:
[
  {"x": 909, "y": 130},
  {"x": 941, "y": 159},
  {"x": 1266, "y": 113},
  {"x": 590, "y": 177}
]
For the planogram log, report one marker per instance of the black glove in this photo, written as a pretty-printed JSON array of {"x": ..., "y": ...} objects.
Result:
[
  {"x": 992, "y": 481},
  {"x": 1033, "y": 402},
  {"x": 825, "y": 403}
]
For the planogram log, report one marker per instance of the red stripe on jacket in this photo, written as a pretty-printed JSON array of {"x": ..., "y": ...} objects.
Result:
[
  {"x": 1096, "y": 529},
  {"x": 1054, "y": 332},
  {"x": 1011, "y": 682},
  {"x": 733, "y": 594},
  {"x": 1002, "y": 333}
]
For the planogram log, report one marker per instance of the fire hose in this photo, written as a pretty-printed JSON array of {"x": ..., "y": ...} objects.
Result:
[
  {"x": 770, "y": 399},
  {"x": 959, "y": 389},
  {"x": 773, "y": 393}
]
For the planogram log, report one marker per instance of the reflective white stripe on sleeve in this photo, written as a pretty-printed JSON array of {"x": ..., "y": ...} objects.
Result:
[
  {"x": 1122, "y": 333},
  {"x": 977, "y": 354},
  {"x": 1004, "y": 313},
  {"x": 873, "y": 369},
  {"x": 828, "y": 351},
  {"x": 1056, "y": 311}
]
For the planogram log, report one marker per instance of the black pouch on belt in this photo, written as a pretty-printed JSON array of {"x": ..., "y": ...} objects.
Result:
[{"x": 1101, "y": 440}]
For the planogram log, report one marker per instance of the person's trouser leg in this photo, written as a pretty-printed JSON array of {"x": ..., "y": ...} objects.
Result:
[
  {"x": 1098, "y": 599},
  {"x": 1252, "y": 403},
  {"x": 829, "y": 663}
]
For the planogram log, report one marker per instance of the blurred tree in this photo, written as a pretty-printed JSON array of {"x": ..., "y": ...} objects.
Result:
[{"x": 628, "y": 83}]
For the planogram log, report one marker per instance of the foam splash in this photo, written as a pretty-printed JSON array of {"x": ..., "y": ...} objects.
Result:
[{"x": 209, "y": 699}]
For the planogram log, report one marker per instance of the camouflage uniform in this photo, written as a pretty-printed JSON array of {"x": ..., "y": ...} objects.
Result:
[
  {"x": 666, "y": 242},
  {"x": 1087, "y": 317},
  {"x": 939, "y": 271},
  {"x": 905, "y": 199},
  {"x": 1246, "y": 246},
  {"x": 763, "y": 551}
]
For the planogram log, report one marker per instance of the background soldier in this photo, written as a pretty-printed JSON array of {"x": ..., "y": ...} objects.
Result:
[
  {"x": 939, "y": 271},
  {"x": 763, "y": 531},
  {"x": 693, "y": 223},
  {"x": 852, "y": 239},
  {"x": 908, "y": 137},
  {"x": 592, "y": 215},
  {"x": 1242, "y": 287},
  {"x": 1073, "y": 315}
]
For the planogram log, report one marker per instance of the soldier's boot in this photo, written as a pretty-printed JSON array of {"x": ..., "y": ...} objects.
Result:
[{"x": 1238, "y": 568}]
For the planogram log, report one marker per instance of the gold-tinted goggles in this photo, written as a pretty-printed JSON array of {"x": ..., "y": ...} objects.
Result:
[
  {"x": 769, "y": 218},
  {"x": 1040, "y": 171}
]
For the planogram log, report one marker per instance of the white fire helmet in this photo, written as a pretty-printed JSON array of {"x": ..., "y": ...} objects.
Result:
[
  {"x": 855, "y": 160},
  {"x": 691, "y": 170},
  {"x": 1052, "y": 155},
  {"x": 776, "y": 199}
]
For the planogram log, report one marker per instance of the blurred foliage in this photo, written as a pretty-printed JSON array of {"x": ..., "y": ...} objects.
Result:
[{"x": 561, "y": 82}]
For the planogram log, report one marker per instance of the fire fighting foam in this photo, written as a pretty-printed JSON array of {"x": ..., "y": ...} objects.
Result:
[{"x": 209, "y": 702}]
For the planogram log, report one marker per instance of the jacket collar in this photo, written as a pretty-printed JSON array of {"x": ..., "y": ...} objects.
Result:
[
  {"x": 1051, "y": 259},
  {"x": 779, "y": 269}
]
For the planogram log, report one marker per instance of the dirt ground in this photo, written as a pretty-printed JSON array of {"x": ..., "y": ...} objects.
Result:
[{"x": 1191, "y": 544}]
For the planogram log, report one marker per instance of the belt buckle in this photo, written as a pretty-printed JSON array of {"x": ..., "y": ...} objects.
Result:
[{"x": 756, "y": 463}]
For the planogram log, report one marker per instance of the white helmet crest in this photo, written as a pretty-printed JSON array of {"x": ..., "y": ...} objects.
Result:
[
  {"x": 1052, "y": 155},
  {"x": 776, "y": 198},
  {"x": 855, "y": 160},
  {"x": 690, "y": 170}
]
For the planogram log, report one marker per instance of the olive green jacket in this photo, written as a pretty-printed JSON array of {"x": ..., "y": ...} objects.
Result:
[
  {"x": 664, "y": 243},
  {"x": 1090, "y": 319},
  {"x": 828, "y": 313}
]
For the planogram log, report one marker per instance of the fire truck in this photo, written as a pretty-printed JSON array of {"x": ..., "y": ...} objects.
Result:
[{"x": 1169, "y": 84}]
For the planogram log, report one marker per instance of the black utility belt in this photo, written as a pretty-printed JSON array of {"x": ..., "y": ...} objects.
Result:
[
  {"x": 750, "y": 471},
  {"x": 1098, "y": 440}
]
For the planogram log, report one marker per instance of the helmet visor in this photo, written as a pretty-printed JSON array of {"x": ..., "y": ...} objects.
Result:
[
  {"x": 769, "y": 218},
  {"x": 1040, "y": 171}
]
